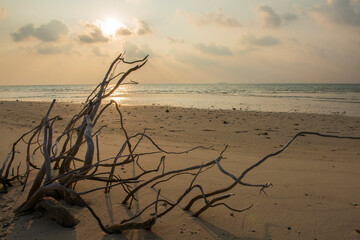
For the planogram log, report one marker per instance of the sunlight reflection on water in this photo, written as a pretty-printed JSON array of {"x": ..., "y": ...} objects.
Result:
[
  {"x": 311, "y": 98},
  {"x": 119, "y": 100}
]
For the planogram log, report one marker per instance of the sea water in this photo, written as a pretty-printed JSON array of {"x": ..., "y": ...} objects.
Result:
[{"x": 341, "y": 99}]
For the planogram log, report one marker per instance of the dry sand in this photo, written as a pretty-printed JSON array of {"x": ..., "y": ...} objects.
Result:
[{"x": 316, "y": 182}]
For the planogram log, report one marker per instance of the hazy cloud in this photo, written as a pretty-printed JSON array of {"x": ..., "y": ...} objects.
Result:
[
  {"x": 51, "y": 32},
  {"x": 95, "y": 35},
  {"x": 123, "y": 31},
  {"x": 213, "y": 49},
  {"x": 2, "y": 12},
  {"x": 192, "y": 60},
  {"x": 173, "y": 40},
  {"x": 345, "y": 12},
  {"x": 250, "y": 39},
  {"x": 216, "y": 17},
  {"x": 143, "y": 27},
  {"x": 133, "y": 52},
  {"x": 50, "y": 49},
  {"x": 268, "y": 18},
  {"x": 100, "y": 52},
  {"x": 288, "y": 16}
]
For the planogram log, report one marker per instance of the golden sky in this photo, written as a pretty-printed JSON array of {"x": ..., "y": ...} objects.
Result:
[{"x": 191, "y": 41}]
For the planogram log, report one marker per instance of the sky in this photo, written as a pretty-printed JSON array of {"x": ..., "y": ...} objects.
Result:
[{"x": 189, "y": 41}]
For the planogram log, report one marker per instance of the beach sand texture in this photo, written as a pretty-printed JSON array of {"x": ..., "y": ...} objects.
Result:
[{"x": 316, "y": 181}]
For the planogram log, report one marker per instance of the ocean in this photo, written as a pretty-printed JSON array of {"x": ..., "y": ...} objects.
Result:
[{"x": 342, "y": 99}]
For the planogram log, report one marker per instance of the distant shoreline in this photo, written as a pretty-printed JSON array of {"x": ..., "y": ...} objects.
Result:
[{"x": 339, "y": 99}]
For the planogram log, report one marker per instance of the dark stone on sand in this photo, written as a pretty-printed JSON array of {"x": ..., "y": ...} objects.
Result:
[{"x": 241, "y": 131}]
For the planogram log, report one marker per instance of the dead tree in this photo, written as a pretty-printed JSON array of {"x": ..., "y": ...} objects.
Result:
[{"x": 62, "y": 168}]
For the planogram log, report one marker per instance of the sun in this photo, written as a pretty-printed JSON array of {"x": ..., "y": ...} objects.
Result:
[{"x": 110, "y": 26}]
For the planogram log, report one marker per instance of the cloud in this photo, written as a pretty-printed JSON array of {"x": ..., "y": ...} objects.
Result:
[
  {"x": 133, "y": 52},
  {"x": 268, "y": 18},
  {"x": 23, "y": 33},
  {"x": 51, "y": 32},
  {"x": 50, "y": 49},
  {"x": 289, "y": 17},
  {"x": 123, "y": 31},
  {"x": 344, "y": 12},
  {"x": 264, "y": 41},
  {"x": 143, "y": 27},
  {"x": 2, "y": 12},
  {"x": 100, "y": 52},
  {"x": 217, "y": 17},
  {"x": 173, "y": 40},
  {"x": 213, "y": 49},
  {"x": 192, "y": 60},
  {"x": 95, "y": 35}
]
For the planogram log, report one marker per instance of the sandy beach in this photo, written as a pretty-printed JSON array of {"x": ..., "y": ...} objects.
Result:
[{"x": 315, "y": 192}]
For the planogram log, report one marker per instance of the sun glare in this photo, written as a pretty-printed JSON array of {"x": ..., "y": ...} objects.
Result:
[{"x": 110, "y": 26}]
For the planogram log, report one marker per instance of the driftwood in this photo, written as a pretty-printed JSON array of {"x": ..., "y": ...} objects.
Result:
[
  {"x": 63, "y": 168},
  {"x": 57, "y": 212}
]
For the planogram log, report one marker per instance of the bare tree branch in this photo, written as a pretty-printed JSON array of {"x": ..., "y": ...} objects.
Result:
[{"x": 62, "y": 167}]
